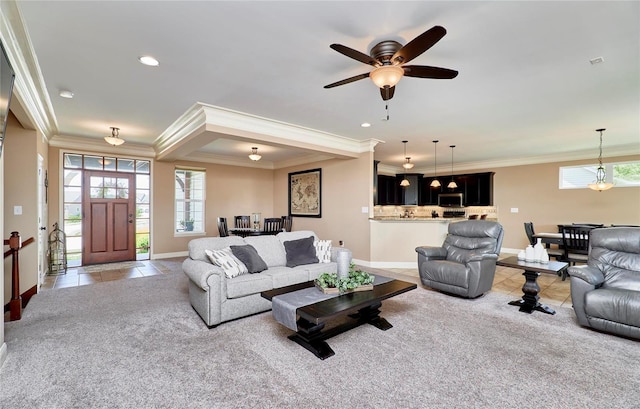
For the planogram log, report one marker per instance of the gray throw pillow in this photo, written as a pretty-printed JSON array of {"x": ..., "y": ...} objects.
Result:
[
  {"x": 301, "y": 251},
  {"x": 250, "y": 257}
]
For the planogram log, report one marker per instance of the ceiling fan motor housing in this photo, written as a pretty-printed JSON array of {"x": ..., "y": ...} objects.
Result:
[{"x": 384, "y": 50}]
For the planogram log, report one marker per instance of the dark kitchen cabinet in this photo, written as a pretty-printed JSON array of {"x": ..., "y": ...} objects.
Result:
[
  {"x": 388, "y": 190},
  {"x": 428, "y": 196},
  {"x": 409, "y": 195}
]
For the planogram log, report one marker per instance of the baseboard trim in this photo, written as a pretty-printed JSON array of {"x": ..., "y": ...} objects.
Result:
[
  {"x": 3, "y": 353},
  {"x": 25, "y": 297},
  {"x": 169, "y": 255}
]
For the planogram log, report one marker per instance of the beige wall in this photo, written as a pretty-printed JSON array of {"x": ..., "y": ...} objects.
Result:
[
  {"x": 533, "y": 189},
  {"x": 21, "y": 189},
  {"x": 347, "y": 187},
  {"x": 230, "y": 190}
]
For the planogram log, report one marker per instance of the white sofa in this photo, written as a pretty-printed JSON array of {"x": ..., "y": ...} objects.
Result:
[{"x": 217, "y": 298}]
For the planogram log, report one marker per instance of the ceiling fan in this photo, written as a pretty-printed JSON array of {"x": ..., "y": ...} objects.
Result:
[{"x": 389, "y": 57}]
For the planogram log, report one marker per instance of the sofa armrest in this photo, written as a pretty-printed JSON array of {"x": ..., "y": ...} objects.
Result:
[
  {"x": 432, "y": 253},
  {"x": 588, "y": 274},
  {"x": 482, "y": 257},
  {"x": 199, "y": 271}
]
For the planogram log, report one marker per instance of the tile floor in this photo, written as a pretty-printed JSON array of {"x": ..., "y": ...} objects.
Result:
[{"x": 553, "y": 291}]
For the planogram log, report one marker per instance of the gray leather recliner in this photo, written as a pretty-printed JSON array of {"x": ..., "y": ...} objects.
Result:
[
  {"x": 466, "y": 263},
  {"x": 606, "y": 292}
]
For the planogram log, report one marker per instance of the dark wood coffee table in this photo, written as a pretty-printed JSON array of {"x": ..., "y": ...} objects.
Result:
[
  {"x": 362, "y": 307},
  {"x": 529, "y": 302}
]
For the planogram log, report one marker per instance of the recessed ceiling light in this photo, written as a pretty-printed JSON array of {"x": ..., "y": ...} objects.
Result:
[
  {"x": 365, "y": 124},
  {"x": 66, "y": 94},
  {"x": 596, "y": 60},
  {"x": 148, "y": 60}
]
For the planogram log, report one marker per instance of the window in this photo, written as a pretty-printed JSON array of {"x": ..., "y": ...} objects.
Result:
[
  {"x": 623, "y": 174},
  {"x": 190, "y": 195}
]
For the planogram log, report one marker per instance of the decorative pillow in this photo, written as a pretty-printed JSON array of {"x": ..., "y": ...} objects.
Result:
[
  {"x": 227, "y": 261},
  {"x": 300, "y": 252},
  {"x": 250, "y": 257},
  {"x": 323, "y": 250}
]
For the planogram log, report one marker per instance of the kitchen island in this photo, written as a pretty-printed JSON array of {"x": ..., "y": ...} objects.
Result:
[{"x": 394, "y": 239}]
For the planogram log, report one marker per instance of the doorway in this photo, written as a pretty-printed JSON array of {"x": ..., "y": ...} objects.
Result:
[{"x": 108, "y": 222}]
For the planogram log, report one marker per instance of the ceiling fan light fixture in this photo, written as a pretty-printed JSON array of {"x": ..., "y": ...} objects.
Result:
[
  {"x": 114, "y": 139},
  {"x": 254, "y": 154},
  {"x": 601, "y": 176},
  {"x": 386, "y": 75}
]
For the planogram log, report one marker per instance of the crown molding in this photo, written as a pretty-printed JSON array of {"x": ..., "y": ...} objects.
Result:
[
  {"x": 101, "y": 147},
  {"x": 29, "y": 86},
  {"x": 203, "y": 123}
]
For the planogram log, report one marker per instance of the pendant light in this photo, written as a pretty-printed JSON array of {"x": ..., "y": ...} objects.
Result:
[
  {"x": 436, "y": 182},
  {"x": 405, "y": 181},
  {"x": 452, "y": 184},
  {"x": 114, "y": 139},
  {"x": 254, "y": 154},
  {"x": 601, "y": 177}
]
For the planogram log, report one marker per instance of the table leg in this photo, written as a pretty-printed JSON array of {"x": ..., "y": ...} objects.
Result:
[
  {"x": 529, "y": 301},
  {"x": 311, "y": 337}
]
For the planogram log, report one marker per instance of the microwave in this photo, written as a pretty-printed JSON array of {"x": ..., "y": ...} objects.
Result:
[{"x": 450, "y": 200}]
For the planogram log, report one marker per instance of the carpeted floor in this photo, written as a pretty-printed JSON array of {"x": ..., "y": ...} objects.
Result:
[{"x": 139, "y": 344}]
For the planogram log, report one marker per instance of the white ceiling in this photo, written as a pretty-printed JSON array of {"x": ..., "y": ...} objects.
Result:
[{"x": 525, "y": 92}]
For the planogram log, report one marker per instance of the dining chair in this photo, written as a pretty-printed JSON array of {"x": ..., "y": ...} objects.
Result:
[
  {"x": 558, "y": 253},
  {"x": 272, "y": 224},
  {"x": 242, "y": 222},
  {"x": 287, "y": 223},
  {"x": 223, "y": 229},
  {"x": 575, "y": 243}
]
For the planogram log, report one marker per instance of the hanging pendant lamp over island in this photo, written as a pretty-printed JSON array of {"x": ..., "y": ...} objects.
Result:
[
  {"x": 452, "y": 184},
  {"x": 405, "y": 181},
  {"x": 435, "y": 182},
  {"x": 601, "y": 176}
]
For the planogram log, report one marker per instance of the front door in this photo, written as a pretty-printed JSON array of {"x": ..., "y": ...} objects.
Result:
[{"x": 108, "y": 222}]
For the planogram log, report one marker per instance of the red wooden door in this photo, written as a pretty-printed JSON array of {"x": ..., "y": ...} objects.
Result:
[{"x": 108, "y": 228}]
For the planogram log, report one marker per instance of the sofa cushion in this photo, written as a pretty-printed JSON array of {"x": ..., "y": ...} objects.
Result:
[
  {"x": 300, "y": 252},
  {"x": 283, "y": 276},
  {"x": 295, "y": 235},
  {"x": 248, "y": 284},
  {"x": 250, "y": 257},
  {"x": 225, "y": 259},
  {"x": 269, "y": 248},
  {"x": 198, "y": 246},
  {"x": 315, "y": 270}
]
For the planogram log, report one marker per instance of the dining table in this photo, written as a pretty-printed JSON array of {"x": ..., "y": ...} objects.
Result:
[{"x": 249, "y": 231}]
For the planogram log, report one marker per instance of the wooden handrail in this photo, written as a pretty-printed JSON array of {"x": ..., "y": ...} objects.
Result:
[
  {"x": 24, "y": 244},
  {"x": 15, "y": 244}
]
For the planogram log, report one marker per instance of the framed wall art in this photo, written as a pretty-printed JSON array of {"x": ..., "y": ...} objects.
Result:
[{"x": 305, "y": 198}]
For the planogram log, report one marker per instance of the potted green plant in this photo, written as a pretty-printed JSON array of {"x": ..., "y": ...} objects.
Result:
[
  {"x": 187, "y": 225},
  {"x": 357, "y": 280}
]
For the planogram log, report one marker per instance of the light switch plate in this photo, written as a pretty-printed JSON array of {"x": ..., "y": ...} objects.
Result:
[
  {"x": 17, "y": 210},
  {"x": 365, "y": 209},
  {"x": 514, "y": 210}
]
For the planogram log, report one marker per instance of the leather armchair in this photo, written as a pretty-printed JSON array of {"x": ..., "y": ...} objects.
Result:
[
  {"x": 606, "y": 292},
  {"x": 466, "y": 263}
]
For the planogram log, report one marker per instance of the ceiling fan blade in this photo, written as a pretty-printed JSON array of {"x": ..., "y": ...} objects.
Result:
[
  {"x": 387, "y": 93},
  {"x": 424, "y": 71},
  {"x": 419, "y": 45},
  {"x": 348, "y": 80},
  {"x": 356, "y": 55}
]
